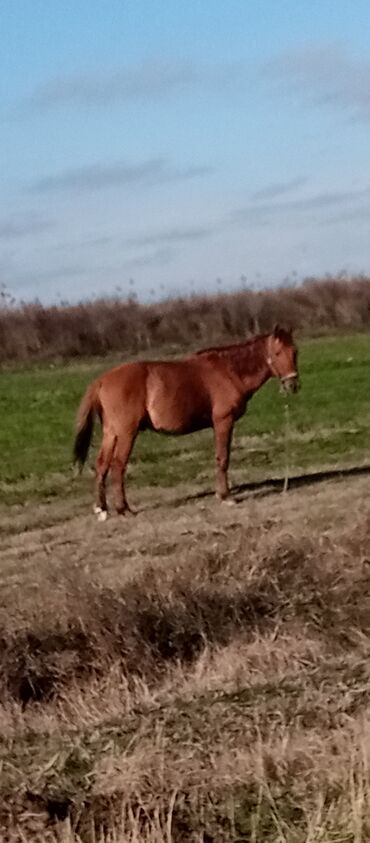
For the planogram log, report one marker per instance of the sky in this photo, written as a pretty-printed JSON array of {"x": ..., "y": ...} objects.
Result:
[{"x": 163, "y": 147}]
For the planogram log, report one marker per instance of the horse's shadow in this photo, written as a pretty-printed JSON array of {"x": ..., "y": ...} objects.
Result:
[{"x": 275, "y": 485}]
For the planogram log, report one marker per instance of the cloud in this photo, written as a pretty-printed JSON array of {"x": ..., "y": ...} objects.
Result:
[
  {"x": 279, "y": 188},
  {"x": 325, "y": 75},
  {"x": 32, "y": 282},
  {"x": 173, "y": 235},
  {"x": 150, "y": 80},
  {"x": 23, "y": 226},
  {"x": 92, "y": 242},
  {"x": 100, "y": 176},
  {"x": 265, "y": 211},
  {"x": 361, "y": 214},
  {"x": 60, "y": 272},
  {"x": 160, "y": 257}
]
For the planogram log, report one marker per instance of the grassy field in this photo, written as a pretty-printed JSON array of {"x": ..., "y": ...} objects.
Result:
[
  {"x": 329, "y": 424},
  {"x": 200, "y": 673}
]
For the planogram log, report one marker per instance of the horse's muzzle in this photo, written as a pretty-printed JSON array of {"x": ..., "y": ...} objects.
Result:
[{"x": 290, "y": 383}]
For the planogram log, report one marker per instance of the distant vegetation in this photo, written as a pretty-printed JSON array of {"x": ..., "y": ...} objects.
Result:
[{"x": 117, "y": 325}]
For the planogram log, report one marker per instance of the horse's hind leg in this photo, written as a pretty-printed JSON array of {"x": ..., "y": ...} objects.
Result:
[
  {"x": 122, "y": 451},
  {"x": 102, "y": 467}
]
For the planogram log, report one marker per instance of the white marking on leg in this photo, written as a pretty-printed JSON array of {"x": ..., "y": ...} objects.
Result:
[
  {"x": 228, "y": 502},
  {"x": 101, "y": 513}
]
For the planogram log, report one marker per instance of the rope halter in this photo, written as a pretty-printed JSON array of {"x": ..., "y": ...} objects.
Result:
[{"x": 284, "y": 379}]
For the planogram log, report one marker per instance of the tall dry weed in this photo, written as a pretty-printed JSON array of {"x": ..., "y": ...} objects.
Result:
[{"x": 114, "y": 325}]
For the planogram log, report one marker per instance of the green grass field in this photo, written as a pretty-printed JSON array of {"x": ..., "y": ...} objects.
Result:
[{"x": 328, "y": 424}]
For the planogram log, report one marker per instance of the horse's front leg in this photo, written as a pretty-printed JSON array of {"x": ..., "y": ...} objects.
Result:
[{"x": 223, "y": 429}]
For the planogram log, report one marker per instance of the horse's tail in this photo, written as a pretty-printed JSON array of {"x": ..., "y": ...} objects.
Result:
[{"x": 85, "y": 423}]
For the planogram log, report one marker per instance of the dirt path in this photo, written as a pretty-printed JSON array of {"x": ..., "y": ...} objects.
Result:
[{"x": 46, "y": 538}]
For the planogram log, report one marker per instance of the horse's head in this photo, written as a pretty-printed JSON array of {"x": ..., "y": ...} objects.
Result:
[{"x": 282, "y": 358}]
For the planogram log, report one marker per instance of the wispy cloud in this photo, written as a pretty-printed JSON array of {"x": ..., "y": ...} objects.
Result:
[
  {"x": 22, "y": 279},
  {"x": 23, "y": 226},
  {"x": 271, "y": 191},
  {"x": 149, "y": 80},
  {"x": 264, "y": 211},
  {"x": 90, "y": 243},
  {"x": 172, "y": 235},
  {"x": 155, "y": 171},
  {"x": 325, "y": 75},
  {"x": 64, "y": 271},
  {"x": 160, "y": 257},
  {"x": 361, "y": 214}
]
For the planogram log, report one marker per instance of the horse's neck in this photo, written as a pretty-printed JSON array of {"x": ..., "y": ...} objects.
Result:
[
  {"x": 253, "y": 381},
  {"x": 250, "y": 364}
]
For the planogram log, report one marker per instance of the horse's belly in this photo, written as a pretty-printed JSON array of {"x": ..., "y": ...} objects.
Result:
[
  {"x": 166, "y": 422},
  {"x": 177, "y": 415}
]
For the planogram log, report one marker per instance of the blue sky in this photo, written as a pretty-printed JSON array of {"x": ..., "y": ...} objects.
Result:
[{"x": 176, "y": 143}]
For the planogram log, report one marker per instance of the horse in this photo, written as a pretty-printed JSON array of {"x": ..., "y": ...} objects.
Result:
[{"x": 209, "y": 388}]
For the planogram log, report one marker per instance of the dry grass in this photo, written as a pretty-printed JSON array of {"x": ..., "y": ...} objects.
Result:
[
  {"x": 198, "y": 678},
  {"x": 115, "y": 325}
]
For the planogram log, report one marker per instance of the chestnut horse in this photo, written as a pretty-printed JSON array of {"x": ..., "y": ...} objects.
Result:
[{"x": 208, "y": 389}]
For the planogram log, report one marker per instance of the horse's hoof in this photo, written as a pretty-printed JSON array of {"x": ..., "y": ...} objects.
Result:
[
  {"x": 101, "y": 513},
  {"x": 228, "y": 501},
  {"x": 125, "y": 510}
]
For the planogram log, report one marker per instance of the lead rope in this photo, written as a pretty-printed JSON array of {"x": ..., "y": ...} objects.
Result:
[
  {"x": 287, "y": 427},
  {"x": 286, "y": 444}
]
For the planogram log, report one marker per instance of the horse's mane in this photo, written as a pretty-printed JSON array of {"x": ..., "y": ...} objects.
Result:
[
  {"x": 247, "y": 355},
  {"x": 237, "y": 346}
]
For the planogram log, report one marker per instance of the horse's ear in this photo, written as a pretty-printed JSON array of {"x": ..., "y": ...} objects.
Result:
[{"x": 279, "y": 332}]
